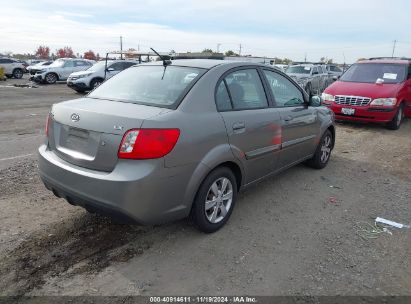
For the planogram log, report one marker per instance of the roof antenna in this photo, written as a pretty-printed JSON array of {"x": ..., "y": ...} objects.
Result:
[{"x": 165, "y": 61}]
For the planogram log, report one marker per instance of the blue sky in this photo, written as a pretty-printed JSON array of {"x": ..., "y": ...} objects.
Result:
[{"x": 292, "y": 28}]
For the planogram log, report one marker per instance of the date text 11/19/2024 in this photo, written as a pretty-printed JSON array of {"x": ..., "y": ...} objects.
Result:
[{"x": 203, "y": 299}]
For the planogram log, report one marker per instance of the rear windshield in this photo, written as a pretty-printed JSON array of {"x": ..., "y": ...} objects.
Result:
[
  {"x": 370, "y": 72},
  {"x": 299, "y": 69},
  {"x": 149, "y": 85}
]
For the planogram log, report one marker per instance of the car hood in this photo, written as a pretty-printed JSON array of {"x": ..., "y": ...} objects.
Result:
[
  {"x": 82, "y": 73},
  {"x": 370, "y": 90}
]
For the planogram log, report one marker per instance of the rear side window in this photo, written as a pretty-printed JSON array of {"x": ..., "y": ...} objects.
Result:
[
  {"x": 409, "y": 72},
  {"x": 151, "y": 85},
  {"x": 246, "y": 90},
  {"x": 222, "y": 98},
  {"x": 286, "y": 94}
]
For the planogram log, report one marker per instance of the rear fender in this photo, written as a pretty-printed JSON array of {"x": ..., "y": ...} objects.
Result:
[{"x": 215, "y": 157}]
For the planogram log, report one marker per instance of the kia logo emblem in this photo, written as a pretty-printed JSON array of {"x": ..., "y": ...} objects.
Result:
[{"x": 75, "y": 117}]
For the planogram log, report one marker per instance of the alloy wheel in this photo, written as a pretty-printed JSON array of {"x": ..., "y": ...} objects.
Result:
[
  {"x": 325, "y": 149},
  {"x": 51, "y": 78},
  {"x": 218, "y": 200}
]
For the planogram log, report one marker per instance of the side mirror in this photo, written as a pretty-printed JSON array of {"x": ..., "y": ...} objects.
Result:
[
  {"x": 110, "y": 69},
  {"x": 335, "y": 77},
  {"x": 315, "y": 101}
]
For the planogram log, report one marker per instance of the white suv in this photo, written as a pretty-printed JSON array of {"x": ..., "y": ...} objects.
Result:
[
  {"x": 61, "y": 69},
  {"x": 94, "y": 76},
  {"x": 12, "y": 68}
]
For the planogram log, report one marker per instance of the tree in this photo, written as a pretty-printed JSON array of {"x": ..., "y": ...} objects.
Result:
[
  {"x": 65, "y": 52},
  {"x": 90, "y": 55},
  {"x": 42, "y": 52},
  {"x": 207, "y": 51},
  {"x": 230, "y": 53}
]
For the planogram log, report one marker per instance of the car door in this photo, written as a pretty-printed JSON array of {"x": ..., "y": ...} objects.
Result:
[
  {"x": 299, "y": 122},
  {"x": 252, "y": 126},
  {"x": 66, "y": 70}
]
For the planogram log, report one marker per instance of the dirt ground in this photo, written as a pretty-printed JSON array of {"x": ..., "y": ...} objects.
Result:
[{"x": 294, "y": 234}]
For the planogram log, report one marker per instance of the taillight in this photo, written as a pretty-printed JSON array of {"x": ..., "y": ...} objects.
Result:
[
  {"x": 48, "y": 121},
  {"x": 148, "y": 143}
]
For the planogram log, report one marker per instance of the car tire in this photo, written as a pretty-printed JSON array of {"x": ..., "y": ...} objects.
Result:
[
  {"x": 51, "y": 78},
  {"x": 215, "y": 200},
  {"x": 9, "y": 76},
  {"x": 323, "y": 152},
  {"x": 395, "y": 123},
  {"x": 18, "y": 73},
  {"x": 95, "y": 83}
]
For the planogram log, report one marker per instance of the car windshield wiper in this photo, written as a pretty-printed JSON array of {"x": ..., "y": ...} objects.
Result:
[{"x": 165, "y": 62}]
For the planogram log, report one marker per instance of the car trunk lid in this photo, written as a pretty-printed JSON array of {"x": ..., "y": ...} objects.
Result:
[{"x": 87, "y": 132}]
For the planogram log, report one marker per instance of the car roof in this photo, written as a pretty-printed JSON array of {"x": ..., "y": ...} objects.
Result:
[
  {"x": 395, "y": 61},
  {"x": 206, "y": 63}
]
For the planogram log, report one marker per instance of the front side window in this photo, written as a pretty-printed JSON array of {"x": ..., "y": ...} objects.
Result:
[
  {"x": 370, "y": 72},
  {"x": 286, "y": 94},
  {"x": 117, "y": 66},
  {"x": 150, "y": 85},
  {"x": 246, "y": 90}
]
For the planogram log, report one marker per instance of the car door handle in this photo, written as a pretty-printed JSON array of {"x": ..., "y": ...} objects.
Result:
[
  {"x": 288, "y": 118},
  {"x": 238, "y": 126}
]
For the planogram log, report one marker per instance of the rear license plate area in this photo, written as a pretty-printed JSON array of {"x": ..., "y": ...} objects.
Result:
[{"x": 77, "y": 138}]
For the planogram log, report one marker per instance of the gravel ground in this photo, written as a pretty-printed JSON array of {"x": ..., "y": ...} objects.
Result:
[{"x": 293, "y": 234}]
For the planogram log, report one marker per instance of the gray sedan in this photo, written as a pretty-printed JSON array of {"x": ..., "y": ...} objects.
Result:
[{"x": 162, "y": 141}]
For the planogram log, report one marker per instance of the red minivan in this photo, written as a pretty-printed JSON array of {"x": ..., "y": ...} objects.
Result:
[{"x": 374, "y": 90}]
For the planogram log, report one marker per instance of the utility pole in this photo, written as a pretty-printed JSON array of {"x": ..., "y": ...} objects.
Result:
[
  {"x": 305, "y": 57},
  {"x": 121, "y": 47},
  {"x": 393, "y": 48},
  {"x": 239, "y": 53}
]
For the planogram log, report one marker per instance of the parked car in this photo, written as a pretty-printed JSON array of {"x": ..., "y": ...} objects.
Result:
[
  {"x": 155, "y": 144},
  {"x": 91, "y": 78},
  {"x": 334, "y": 70},
  {"x": 308, "y": 76},
  {"x": 281, "y": 67},
  {"x": 35, "y": 61},
  {"x": 60, "y": 70},
  {"x": 33, "y": 69},
  {"x": 376, "y": 90},
  {"x": 12, "y": 68}
]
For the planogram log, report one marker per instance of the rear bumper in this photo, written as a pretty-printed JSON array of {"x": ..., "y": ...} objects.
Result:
[
  {"x": 144, "y": 192},
  {"x": 364, "y": 114}
]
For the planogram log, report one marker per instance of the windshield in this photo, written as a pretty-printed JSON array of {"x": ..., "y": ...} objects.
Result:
[
  {"x": 99, "y": 65},
  {"x": 298, "y": 69},
  {"x": 370, "y": 72},
  {"x": 151, "y": 85},
  {"x": 57, "y": 64}
]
